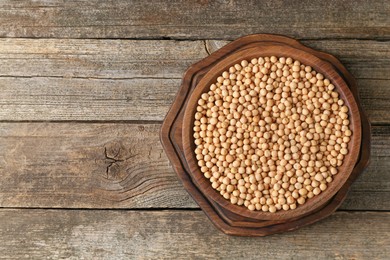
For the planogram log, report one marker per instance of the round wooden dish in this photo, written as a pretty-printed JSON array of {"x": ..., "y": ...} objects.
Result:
[
  {"x": 263, "y": 50},
  {"x": 174, "y": 143}
]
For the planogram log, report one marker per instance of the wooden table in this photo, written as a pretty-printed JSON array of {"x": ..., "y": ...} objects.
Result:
[{"x": 85, "y": 86}]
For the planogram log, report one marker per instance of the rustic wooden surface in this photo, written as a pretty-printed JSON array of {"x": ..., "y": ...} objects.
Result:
[
  {"x": 201, "y": 19},
  {"x": 91, "y": 234},
  {"x": 84, "y": 86}
]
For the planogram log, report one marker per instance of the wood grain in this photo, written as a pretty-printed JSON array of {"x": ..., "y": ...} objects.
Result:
[
  {"x": 110, "y": 77},
  {"x": 85, "y": 99},
  {"x": 107, "y": 234},
  {"x": 187, "y": 19},
  {"x": 86, "y": 165},
  {"x": 107, "y": 59},
  {"x": 63, "y": 79},
  {"x": 118, "y": 165},
  {"x": 118, "y": 59}
]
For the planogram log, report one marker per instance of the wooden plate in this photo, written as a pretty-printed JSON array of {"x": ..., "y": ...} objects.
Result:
[{"x": 234, "y": 221}]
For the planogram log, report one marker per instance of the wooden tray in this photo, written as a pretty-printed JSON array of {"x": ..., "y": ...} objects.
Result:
[{"x": 234, "y": 222}]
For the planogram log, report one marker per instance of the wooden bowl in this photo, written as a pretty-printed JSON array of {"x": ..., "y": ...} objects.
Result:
[
  {"x": 176, "y": 137},
  {"x": 265, "y": 51}
]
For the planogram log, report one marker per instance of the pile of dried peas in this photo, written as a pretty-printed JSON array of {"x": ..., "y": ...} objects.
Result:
[{"x": 271, "y": 133}]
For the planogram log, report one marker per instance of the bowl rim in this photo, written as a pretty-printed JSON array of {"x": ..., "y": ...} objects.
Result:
[{"x": 262, "y": 50}]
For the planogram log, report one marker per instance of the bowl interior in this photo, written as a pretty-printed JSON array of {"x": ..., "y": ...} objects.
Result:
[{"x": 278, "y": 50}]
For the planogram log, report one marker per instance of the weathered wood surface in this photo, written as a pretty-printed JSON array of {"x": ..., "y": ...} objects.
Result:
[
  {"x": 75, "y": 165},
  {"x": 118, "y": 59},
  {"x": 119, "y": 165},
  {"x": 107, "y": 72},
  {"x": 188, "y": 19},
  {"x": 83, "y": 234},
  {"x": 55, "y": 99},
  {"x": 65, "y": 79},
  {"x": 100, "y": 59}
]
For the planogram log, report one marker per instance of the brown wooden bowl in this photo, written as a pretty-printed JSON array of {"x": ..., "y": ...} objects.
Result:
[
  {"x": 263, "y": 50},
  {"x": 172, "y": 141}
]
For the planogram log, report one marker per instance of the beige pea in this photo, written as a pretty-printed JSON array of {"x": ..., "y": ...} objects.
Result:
[
  {"x": 272, "y": 209},
  {"x": 225, "y": 149},
  {"x": 316, "y": 191},
  {"x": 301, "y": 200}
]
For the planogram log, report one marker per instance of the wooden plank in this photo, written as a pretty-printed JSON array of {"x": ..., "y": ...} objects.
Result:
[
  {"x": 52, "y": 79},
  {"x": 112, "y": 59},
  {"x": 76, "y": 165},
  {"x": 194, "y": 19},
  {"x": 376, "y": 179},
  {"x": 107, "y": 59},
  {"x": 90, "y": 234},
  {"x": 375, "y": 99},
  {"x": 119, "y": 165},
  {"x": 85, "y": 99}
]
